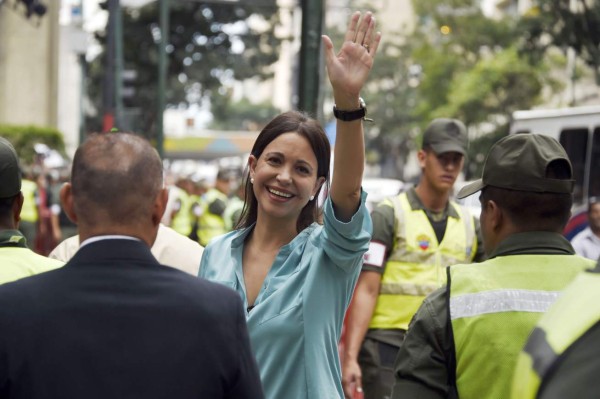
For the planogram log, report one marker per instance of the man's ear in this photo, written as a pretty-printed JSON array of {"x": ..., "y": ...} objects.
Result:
[
  {"x": 421, "y": 155},
  {"x": 160, "y": 205},
  {"x": 66, "y": 199},
  {"x": 17, "y": 206},
  {"x": 496, "y": 215}
]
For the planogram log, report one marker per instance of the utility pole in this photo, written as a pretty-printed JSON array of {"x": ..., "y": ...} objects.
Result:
[
  {"x": 310, "y": 56},
  {"x": 118, "y": 73},
  {"x": 112, "y": 101},
  {"x": 162, "y": 73},
  {"x": 108, "y": 92}
]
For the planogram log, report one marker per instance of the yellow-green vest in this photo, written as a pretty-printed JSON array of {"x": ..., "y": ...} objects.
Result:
[
  {"x": 565, "y": 322},
  {"x": 235, "y": 205},
  {"x": 416, "y": 265},
  {"x": 209, "y": 224},
  {"x": 182, "y": 221},
  {"x": 29, "y": 211},
  {"x": 494, "y": 306}
]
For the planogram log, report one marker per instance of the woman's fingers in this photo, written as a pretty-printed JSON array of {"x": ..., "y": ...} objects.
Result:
[
  {"x": 374, "y": 44},
  {"x": 363, "y": 29},
  {"x": 368, "y": 39},
  {"x": 351, "y": 32}
]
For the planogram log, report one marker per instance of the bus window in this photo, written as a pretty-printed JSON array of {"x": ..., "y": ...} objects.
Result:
[
  {"x": 595, "y": 165},
  {"x": 575, "y": 143}
]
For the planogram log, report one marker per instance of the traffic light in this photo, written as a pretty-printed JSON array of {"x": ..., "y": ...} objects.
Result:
[
  {"x": 34, "y": 7},
  {"x": 128, "y": 79}
]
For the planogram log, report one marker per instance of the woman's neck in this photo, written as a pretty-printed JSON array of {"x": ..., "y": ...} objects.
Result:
[{"x": 273, "y": 234}]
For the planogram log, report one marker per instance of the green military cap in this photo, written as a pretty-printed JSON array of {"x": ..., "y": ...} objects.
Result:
[
  {"x": 446, "y": 135},
  {"x": 519, "y": 162},
  {"x": 10, "y": 174}
]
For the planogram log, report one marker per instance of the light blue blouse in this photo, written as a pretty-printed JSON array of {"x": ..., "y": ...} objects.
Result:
[{"x": 296, "y": 322}]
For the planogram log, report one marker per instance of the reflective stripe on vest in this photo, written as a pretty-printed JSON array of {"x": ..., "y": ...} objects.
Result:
[
  {"x": 557, "y": 330},
  {"x": 493, "y": 307},
  {"x": 416, "y": 265},
  {"x": 470, "y": 305}
]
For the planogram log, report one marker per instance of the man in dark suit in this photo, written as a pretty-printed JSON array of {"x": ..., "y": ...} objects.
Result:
[{"x": 113, "y": 322}]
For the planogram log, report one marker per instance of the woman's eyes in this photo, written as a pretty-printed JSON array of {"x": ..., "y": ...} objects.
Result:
[{"x": 278, "y": 161}]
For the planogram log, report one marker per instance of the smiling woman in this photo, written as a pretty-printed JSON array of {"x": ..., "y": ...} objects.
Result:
[{"x": 296, "y": 275}]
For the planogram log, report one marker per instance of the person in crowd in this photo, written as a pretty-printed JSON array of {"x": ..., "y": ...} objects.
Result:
[
  {"x": 587, "y": 242},
  {"x": 16, "y": 259},
  {"x": 113, "y": 322},
  {"x": 62, "y": 226},
  {"x": 45, "y": 236},
  {"x": 295, "y": 275},
  {"x": 180, "y": 207},
  {"x": 170, "y": 249},
  {"x": 211, "y": 220},
  {"x": 465, "y": 338},
  {"x": 234, "y": 208},
  {"x": 561, "y": 358},
  {"x": 28, "y": 224},
  {"x": 416, "y": 234}
]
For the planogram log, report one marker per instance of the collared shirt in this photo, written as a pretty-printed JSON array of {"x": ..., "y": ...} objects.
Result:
[
  {"x": 425, "y": 362},
  {"x": 296, "y": 321},
  {"x": 107, "y": 237},
  {"x": 18, "y": 261},
  {"x": 587, "y": 244}
]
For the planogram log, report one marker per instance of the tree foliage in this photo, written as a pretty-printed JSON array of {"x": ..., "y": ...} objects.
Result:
[
  {"x": 242, "y": 114},
  {"x": 556, "y": 23},
  {"x": 210, "y": 45},
  {"x": 456, "y": 63},
  {"x": 25, "y": 137}
]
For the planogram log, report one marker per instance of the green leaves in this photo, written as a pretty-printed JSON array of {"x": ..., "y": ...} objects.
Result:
[
  {"x": 23, "y": 138},
  {"x": 210, "y": 45}
]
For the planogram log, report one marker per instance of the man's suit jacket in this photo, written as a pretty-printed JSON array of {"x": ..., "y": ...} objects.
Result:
[{"x": 114, "y": 323}]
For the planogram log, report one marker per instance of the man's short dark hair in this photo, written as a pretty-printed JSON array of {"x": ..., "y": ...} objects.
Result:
[
  {"x": 115, "y": 176},
  {"x": 6, "y": 205},
  {"x": 535, "y": 211}
]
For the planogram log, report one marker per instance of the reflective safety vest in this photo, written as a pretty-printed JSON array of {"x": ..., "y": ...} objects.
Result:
[
  {"x": 493, "y": 307},
  {"x": 235, "y": 206},
  {"x": 416, "y": 264},
  {"x": 209, "y": 224},
  {"x": 565, "y": 322},
  {"x": 29, "y": 212},
  {"x": 182, "y": 221}
]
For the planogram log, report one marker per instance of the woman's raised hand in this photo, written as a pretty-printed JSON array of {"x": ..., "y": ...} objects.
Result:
[{"x": 349, "y": 69}]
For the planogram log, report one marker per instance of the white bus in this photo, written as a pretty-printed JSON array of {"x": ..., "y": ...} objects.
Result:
[{"x": 578, "y": 130}]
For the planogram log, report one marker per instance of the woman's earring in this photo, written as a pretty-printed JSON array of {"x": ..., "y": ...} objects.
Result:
[
  {"x": 252, "y": 180},
  {"x": 312, "y": 197}
]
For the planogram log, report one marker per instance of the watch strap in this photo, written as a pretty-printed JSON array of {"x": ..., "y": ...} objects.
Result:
[{"x": 352, "y": 115}]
